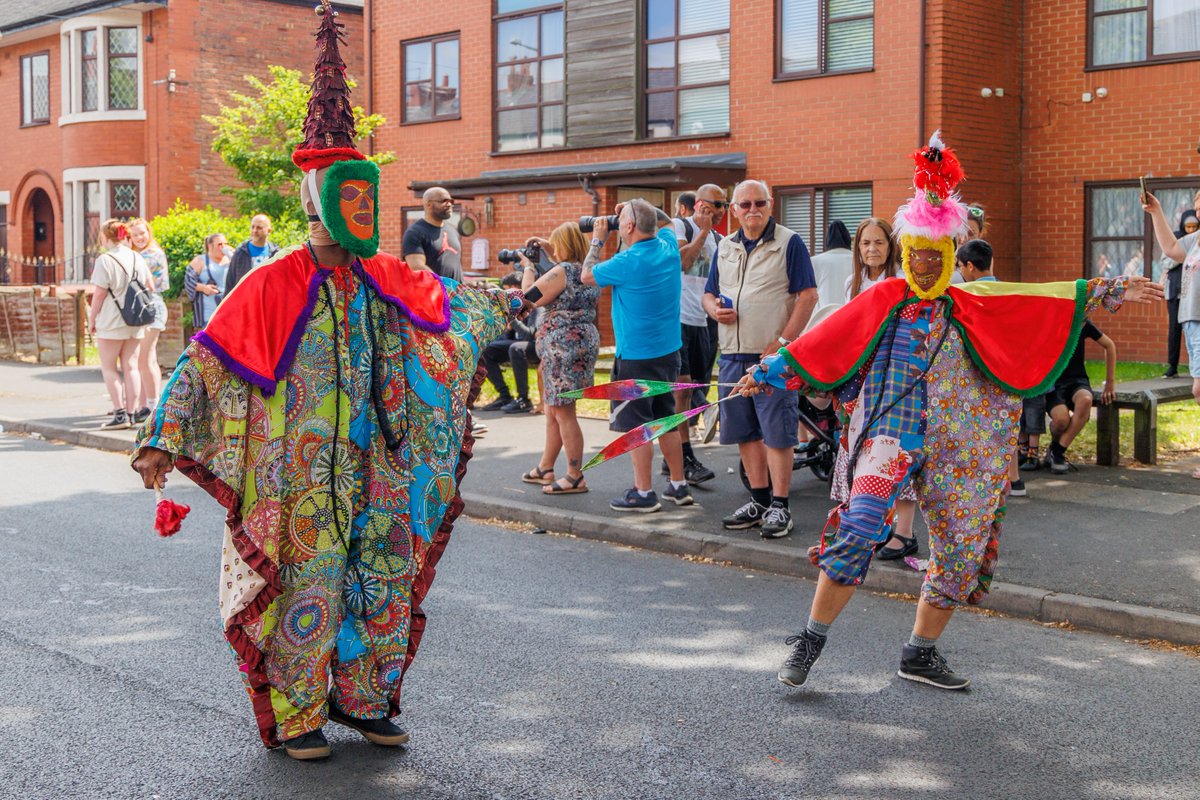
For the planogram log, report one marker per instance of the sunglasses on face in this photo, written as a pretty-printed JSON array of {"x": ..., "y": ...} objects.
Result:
[
  {"x": 745, "y": 205},
  {"x": 719, "y": 205}
]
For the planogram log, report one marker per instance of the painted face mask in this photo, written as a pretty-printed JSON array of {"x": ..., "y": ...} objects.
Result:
[
  {"x": 928, "y": 264},
  {"x": 349, "y": 207}
]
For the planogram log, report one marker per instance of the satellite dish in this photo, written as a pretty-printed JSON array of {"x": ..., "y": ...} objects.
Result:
[{"x": 466, "y": 227}]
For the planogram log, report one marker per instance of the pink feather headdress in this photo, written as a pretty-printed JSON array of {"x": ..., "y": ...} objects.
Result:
[{"x": 935, "y": 210}]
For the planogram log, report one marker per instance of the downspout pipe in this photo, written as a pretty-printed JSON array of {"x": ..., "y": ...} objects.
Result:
[
  {"x": 922, "y": 134},
  {"x": 369, "y": 54}
]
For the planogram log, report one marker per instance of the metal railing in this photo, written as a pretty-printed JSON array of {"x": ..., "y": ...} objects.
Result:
[{"x": 17, "y": 268}]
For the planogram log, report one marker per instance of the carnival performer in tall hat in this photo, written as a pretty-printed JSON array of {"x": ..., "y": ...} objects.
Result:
[
  {"x": 325, "y": 408},
  {"x": 932, "y": 376}
]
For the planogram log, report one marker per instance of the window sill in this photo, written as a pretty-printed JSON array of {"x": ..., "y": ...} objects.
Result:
[
  {"x": 624, "y": 143},
  {"x": 430, "y": 121},
  {"x": 787, "y": 77},
  {"x": 102, "y": 116},
  {"x": 36, "y": 124},
  {"x": 1149, "y": 63}
]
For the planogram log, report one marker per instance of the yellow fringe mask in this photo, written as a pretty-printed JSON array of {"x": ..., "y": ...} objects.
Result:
[{"x": 945, "y": 246}]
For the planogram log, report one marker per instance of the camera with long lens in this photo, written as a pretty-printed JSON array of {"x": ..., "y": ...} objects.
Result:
[
  {"x": 588, "y": 224},
  {"x": 533, "y": 252}
]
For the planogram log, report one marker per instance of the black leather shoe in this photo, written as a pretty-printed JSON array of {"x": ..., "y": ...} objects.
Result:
[
  {"x": 381, "y": 731},
  {"x": 308, "y": 747},
  {"x": 891, "y": 554}
]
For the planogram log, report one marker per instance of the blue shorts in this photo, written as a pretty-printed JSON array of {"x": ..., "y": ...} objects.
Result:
[
  {"x": 772, "y": 418},
  {"x": 1191, "y": 336}
]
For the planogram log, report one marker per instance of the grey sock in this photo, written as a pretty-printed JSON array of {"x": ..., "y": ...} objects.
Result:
[
  {"x": 917, "y": 641},
  {"x": 820, "y": 629}
]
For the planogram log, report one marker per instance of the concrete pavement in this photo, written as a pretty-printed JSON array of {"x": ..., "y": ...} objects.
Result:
[{"x": 1111, "y": 549}]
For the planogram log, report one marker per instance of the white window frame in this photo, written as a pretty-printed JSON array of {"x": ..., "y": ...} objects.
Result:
[
  {"x": 73, "y": 181},
  {"x": 72, "y": 76}
]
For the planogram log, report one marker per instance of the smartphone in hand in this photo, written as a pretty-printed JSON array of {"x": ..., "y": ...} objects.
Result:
[{"x": 1142, "y": 182}]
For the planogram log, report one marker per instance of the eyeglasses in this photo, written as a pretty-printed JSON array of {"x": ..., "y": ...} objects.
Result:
[
  {"x": 746, "y": 204},
  {"x": 717, "y": 204}
]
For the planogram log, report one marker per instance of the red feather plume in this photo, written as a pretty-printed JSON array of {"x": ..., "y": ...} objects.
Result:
[{"x": 937, "y": 168}]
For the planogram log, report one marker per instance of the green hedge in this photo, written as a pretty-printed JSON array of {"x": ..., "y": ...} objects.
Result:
[{"x": 181, "y": 231}]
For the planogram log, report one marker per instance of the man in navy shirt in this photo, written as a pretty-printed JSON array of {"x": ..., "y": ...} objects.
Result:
[
  {"x": 647, "y": 281},
  {"x": 761, "y": 291}
]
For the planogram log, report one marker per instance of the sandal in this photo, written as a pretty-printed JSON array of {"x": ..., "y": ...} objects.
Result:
[
  {"x": 891, "y": 554},
  {"x": 557, "y": 488},
  {"x": 538, "y": 475}
]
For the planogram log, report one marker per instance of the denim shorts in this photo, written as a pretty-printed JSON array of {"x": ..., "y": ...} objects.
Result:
[
  {"x": 773, "y": 418},
  {"x": 1191, "y": 336}
]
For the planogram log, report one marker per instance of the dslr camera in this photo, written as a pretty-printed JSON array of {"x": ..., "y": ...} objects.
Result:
[
  {"x": 588, "y": 224},
  {"x": 533, "y": 252}
]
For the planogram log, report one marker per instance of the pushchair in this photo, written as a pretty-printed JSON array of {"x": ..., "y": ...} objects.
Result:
[{"x": 819, "y": 452}]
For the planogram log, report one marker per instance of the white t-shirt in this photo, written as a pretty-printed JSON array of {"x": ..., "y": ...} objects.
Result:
[
  {"x": 832, "y": 269},
  {"x": 113, "y": 271},
  {"x": 1189, "y": 281},
  {"x": 695, "y": 276},
  {"x": 867, "y": 283}
]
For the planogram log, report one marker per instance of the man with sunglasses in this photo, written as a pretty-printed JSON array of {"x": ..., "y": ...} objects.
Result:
[
  {"x": 429, "y": 243},
  {"x": 697, "y": 246},
  {"x": 761, "y": 291}
]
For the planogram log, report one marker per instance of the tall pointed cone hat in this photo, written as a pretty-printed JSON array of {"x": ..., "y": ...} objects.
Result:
[{"x": 329, "y": 130}]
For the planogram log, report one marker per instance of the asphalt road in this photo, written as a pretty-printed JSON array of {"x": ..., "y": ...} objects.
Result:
[{"x": 552, "y": 668}]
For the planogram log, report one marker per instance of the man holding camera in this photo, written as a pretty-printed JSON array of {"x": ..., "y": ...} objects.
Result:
[
  {"x": 646, "y": 280},
  {"x": 761, "y": 291},
  {"x": 429, "y": 243}
]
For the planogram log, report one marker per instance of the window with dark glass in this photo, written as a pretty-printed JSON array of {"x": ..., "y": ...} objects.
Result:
[
  {"x": 529, "y": 76},
  {"x": 687, "y": 68},
  {"x": 89, "y": 71},
  {"x": 35, "y": 89},
  {"x": 1119, "y": 233},
  {"x": 816, "y": 37},
  {"x": 1139, "y": 31},
  {"x": 808, "y": 210},
  {"x": 122, "y": 68},
  {"x": 430, "y": 78},
  {"x": 124, "y": 199}
]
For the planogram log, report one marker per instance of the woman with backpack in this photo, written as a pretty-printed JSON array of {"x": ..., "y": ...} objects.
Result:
[
  {"x": 117, "y": 318},
  {"x": 204, "y": 279}
]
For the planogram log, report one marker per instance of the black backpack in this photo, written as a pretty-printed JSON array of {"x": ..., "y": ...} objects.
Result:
[{"x": 138, "y": 309}]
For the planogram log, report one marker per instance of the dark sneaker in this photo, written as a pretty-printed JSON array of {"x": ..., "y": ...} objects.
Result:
[
  {"x": 1058, "y": 461},
  {"x": 695, "y": 472},
  {"x": 664, "y": 470},
  {"x": 1017, "y": 488},
  {"x": 497, "y": 404},
  {"x": 632, "y": 500},
  {"x": 776, "y": 522},
  {"x": 926, "y": 665},
  {"x": 519, "y": 406},
  {"x": 308, "y": 747},
  {"x": 747, "y": 516},
  {"x": 1030, "y": 463},
  {"x": 681, "y": 496},
  {"x": 141, "y": 415},
  {"x": 808, "y": 646},
  {"x": 380, "y": 731},
  {"x": 120, "y": 421}
]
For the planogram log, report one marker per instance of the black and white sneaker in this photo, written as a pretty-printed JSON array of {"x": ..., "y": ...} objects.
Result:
[
  {"x": 807, "y": 648},
  {"x": 1058, "y": 461},
  {"x": 695, "y": 472},
  {"x": 748, "y": 516},
  {"x": 119, "y": 422},
  {"x": 1017, "y": 488},
  {"x": 680, "y": 497},
  {"x": 926, "y": 665},
  {"x": 777, "y": 522}
]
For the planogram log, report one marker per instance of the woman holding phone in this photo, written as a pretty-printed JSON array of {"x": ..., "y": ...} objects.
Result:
[{"x": 204, "y": 279}]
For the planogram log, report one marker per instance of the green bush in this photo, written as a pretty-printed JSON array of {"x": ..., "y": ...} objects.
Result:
[{"x": 180, "y": 233}]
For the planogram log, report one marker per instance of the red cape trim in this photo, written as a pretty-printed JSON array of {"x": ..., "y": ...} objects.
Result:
[{"x": 257, "y": 328}]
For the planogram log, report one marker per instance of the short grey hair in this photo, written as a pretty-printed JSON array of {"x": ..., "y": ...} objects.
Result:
[
  {"x": 749, "y": 182},
  {"x": 645, "y": 216}
]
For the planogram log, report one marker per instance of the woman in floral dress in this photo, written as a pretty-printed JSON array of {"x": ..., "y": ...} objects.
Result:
[{"x": 567, "y": 343}]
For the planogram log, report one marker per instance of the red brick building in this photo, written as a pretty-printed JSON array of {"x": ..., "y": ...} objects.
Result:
[
  {"x": 104, "y": 107},
  {"x": 533, "y": 112}
]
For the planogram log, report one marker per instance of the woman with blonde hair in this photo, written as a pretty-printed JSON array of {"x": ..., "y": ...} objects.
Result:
[
  {"x": 142, "y": 239},
  {"x": 568, "y": 343},
  {"x": 114, "y": 272}
]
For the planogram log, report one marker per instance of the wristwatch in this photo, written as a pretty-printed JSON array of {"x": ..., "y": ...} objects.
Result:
[
  {"x": 596, "y": 242},
  {"x": 783, "y": 341}
]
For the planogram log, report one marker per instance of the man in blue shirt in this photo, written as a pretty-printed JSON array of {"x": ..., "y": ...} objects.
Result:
[
  {"x": 646, "y": 282},
  {"x": 253, "y": 252}
]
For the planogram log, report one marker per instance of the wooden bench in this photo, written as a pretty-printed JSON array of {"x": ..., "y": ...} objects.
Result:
[{"x": 1144, "y": 398}]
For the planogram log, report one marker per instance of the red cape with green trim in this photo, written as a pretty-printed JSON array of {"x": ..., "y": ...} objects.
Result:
[
  {"x": 1020, "y": 335},
  {"x": 257, "y": 328}
]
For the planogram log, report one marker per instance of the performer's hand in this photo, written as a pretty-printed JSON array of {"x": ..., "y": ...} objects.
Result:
[
  {"x": 1141, "y": 289},
  {"x": 1108, "y": 394},
  {"x": 773, "y": 371},
  {"x": 153, "y": 465}
]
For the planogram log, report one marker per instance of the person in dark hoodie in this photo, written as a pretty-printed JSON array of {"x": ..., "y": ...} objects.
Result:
[
  {"x": 1189, "y": 222},
  {"x": 256, "y": 250}
]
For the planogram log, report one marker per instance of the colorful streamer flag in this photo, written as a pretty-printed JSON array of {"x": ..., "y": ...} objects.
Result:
[
  {"x": 631, "y": 389},
  {"x": 642, "y": 434}
]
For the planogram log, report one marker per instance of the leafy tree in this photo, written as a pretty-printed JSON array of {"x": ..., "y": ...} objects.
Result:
[{"x": 256, "y": 134}]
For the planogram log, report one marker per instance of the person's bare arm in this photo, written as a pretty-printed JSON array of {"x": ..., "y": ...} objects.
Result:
[
  {"x": 416, "y": 261},
  {"x": 689, "y": 251},
  {"x": 1110, "y": 369},
  {"x": 98, "y": 295},
  {"x": 1162, "y": 230},
  {"x": 599, "y": 235},
  {"x": 551, "y": 285}
]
